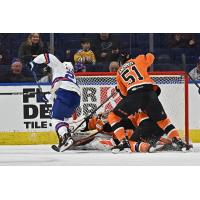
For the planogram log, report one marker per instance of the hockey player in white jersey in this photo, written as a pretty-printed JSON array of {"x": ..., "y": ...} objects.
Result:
[{"x": 65, "y": 94}]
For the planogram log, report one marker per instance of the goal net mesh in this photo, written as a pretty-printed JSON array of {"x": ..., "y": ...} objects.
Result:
[{"x": 96, "y": 89}]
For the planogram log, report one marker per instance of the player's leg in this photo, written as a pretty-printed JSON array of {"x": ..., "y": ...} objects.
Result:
[
  {"x": 118, "y": 132},
  {"x": 147, "y": 130},
  {"x": 127, "y": 106},
  {"x": 156, "y": 112},
  {"x": 61, "y": 111},
  {"x": 149, "y": 133}
]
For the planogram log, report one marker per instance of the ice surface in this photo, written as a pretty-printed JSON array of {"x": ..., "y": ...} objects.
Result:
[{"x": 43, "y": 155}]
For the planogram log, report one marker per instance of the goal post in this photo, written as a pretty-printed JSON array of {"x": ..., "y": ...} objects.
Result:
[
  {"x": 180, "y": 94},
  {"x": 97, "y": 86}
]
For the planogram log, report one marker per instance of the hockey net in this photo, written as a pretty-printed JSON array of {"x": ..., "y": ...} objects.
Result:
[{"x": 97, "y": 87}]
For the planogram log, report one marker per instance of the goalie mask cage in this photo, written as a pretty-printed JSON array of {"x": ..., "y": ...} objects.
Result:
[{"x": 97, "y": 87}]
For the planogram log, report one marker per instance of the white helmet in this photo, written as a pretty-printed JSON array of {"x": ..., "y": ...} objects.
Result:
[{"x": 68, "y": 66}]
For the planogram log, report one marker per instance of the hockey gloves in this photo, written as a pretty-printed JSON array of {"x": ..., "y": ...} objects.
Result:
[{"x": 42, "y": 97}]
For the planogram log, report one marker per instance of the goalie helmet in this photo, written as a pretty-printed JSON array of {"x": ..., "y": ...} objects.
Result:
[{"x": 68, "y": 66}]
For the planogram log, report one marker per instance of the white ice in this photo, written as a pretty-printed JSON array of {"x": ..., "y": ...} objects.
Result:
[{"x": 32, "y": 155}]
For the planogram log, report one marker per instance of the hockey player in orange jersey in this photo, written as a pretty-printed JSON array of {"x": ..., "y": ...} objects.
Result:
[
  {"x": 138, "y": 91},
  {"x": 139, "y": 128}
]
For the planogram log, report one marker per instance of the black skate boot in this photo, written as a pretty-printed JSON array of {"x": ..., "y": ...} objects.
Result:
[
  {"x": 180, "y": 145},
  {"x": 121, "y": 146},
  {"x": 155, "y": 145}
]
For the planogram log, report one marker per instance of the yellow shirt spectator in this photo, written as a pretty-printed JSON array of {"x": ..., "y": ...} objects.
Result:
[{"x": 85, "y": 57}]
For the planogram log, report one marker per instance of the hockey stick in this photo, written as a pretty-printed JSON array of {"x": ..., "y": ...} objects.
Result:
[
  {"x": 56, "y": 148},
  {"x": 94, "y": 111},
  {"x": 40, "y": 91},
  {"x": 23, "y": 93},
  {"x": 35, "y": 78}
]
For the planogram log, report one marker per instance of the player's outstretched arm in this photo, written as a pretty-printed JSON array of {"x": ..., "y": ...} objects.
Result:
[
  {"x": 144, "y": 60},
  {"x": 150, "y": 58},
  {"x": 51, "y": 60}
]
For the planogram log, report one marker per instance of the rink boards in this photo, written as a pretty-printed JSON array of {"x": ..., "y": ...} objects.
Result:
[{"x": 25, "y": 121}]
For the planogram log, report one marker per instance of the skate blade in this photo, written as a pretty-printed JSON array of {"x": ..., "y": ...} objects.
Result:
[
  {"x": 127, "y": 150},
  {"x": 188, "y": 148},
  {"x": 67, "y": 146},
  {"x": 184, "y": 149},
  {"x": 157, "y": 148},
  {"x": 115, "y": 151}
]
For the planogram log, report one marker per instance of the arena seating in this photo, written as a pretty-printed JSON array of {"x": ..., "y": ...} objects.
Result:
[{"x": 135, "y": 43}]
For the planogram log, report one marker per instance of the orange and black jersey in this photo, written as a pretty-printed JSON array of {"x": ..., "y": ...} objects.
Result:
[
  {"x": 134, "y": 73},
  {"x": 137, "y": 118},
  {"x": 132, "y": 122}
]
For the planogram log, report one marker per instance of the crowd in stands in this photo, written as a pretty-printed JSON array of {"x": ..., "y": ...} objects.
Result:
[{"x": 101, "y": 52}]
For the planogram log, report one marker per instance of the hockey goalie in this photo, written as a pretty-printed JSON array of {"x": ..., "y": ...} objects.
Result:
[{"x": 141, "y": 132}]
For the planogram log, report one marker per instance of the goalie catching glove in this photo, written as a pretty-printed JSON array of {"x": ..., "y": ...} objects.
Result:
[
  {"x": 95, "y": 123},
  {"x": 98, "y": 122}
]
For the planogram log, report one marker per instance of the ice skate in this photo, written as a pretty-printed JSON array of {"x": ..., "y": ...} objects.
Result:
[
  {"x": 123, "y": 145},
  {"x": 177, "y": 142},
  {"x": 65, "y": 142},
  {"x": 155, "y": 145}
]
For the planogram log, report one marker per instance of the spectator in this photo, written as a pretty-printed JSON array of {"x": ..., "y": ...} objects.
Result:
[
  {"x": 69, "y": 56},
  {"x": 15, "y": 73},
  {"x": 195, "y": 73},
  {"x": 107, "y": 49},
  {"x": 113, "y": 67},
  {"x": 4, "y": 57},
  {"x": 85, "y": 55},
  {"x": 182, "y": 40},
  {"x": 123, "y": 57},
  {"x": 32, "y": 47}
]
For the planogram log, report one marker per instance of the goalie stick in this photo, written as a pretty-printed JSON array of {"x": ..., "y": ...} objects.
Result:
[
  {"x": 94, "y": 111},
  {"x": 56, "y": 148}
]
